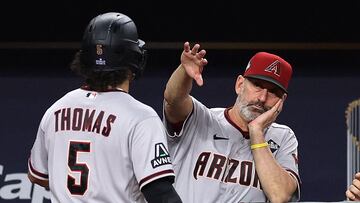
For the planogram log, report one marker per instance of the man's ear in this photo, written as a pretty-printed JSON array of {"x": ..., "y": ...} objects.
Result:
[
  {"x": 284, "y": 97},
  {"x": 239, "y": 82}
]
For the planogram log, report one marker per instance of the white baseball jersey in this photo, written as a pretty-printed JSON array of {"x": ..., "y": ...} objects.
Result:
[
  {"x": 98, "y": 147},
  {"x": 213, "y": 161}
]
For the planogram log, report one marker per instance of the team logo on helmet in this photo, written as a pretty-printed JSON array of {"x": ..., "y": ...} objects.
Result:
[
  {"x": 162, "y": 156},
  {"x": 100, "y": 61},
  {"x": 99, "y": 50}
]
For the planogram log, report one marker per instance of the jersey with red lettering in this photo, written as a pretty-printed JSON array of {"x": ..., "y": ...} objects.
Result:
[
  {"x": 99, "y": 147},
  {"x": 213, "y": 161}
]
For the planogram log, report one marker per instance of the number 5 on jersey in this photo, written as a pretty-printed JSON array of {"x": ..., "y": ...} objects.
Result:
[{"x": 76, "y": 167}]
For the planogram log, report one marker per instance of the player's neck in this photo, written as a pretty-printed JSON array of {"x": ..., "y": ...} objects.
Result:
[
  {"x": 123, "y": 86},
  {"x": 237, "y": 119},
  {"x": 121, "y": 89}
]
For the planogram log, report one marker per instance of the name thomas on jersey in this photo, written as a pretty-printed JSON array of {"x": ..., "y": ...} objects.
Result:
[{"x": 79, "y": 119}]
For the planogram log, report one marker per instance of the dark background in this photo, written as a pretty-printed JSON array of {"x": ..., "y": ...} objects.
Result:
[
  {"x": 195, "y": 21},
  {"x": 34, "y": 72}
]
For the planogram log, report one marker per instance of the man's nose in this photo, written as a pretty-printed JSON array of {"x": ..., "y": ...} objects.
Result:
[{"x": 263, "y": 95}]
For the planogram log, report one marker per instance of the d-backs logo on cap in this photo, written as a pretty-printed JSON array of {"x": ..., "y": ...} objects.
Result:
[
  {"x": 271, "y": 68},
  {"x": 162, "y": 156},
  {"x": 274, "y": 68}
]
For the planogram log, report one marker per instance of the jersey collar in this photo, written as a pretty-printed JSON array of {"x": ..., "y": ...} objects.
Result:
[
  {"x": 87, "y": 87},
  {"x": 245, "y": 134}
]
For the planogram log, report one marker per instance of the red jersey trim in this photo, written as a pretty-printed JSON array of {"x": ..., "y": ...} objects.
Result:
[
  {"x": 244, "y": 134},
  {"x": 152, "y": 176},
  {"x": 42, "y": 175},
  {"x": 295, "y": 174}
]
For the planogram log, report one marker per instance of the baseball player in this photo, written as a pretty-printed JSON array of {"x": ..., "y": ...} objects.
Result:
[
  {"x": 353, "y": 192},
  {"x": 234, "y": 154},
  {"x": 98, "y": 143}
]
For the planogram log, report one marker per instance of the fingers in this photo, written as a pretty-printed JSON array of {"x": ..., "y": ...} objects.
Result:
[
  {"x": 193, "y": 61},
  {"x": 350, "y": 195},
  {"x": 204, "y": 62},
  {"x": 186, "y": 46},
  {"x": 278, "y": 107},
  {"x": 356, "y": 184},
  {"x": 353, "y": 193},
  {"x": 199, "y": 80},
  {"x": 196, "y": 55},
  {"x": 201, "y": 54},
  {"x": 197, "y": 77},
  {"x": 195, "y": 49}
]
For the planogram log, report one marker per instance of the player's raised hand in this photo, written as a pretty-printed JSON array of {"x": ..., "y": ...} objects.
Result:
[
  {"x": 193, "y": 62},
  {"x": 353, "y": 192}
]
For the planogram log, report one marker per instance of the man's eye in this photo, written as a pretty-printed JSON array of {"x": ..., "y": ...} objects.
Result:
[
  {"x": 276, "y": 92},
  {"x": 273, "y": 91},
  {"x": 257, "y": 84}
]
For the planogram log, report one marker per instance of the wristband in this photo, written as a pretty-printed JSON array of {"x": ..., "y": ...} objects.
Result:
[{"x": 255, "y": 146}]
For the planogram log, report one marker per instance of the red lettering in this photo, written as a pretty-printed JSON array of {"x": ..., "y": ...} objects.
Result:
[
  {"x": 245, "y": 173},
  {"x": 65, "y": 118},
  {"x": 57, "y": 120},
  {"x": 77, "y": 119},
  {"x": 98, "y": 122},
  {"x": 233, "y": 165},
  {"x": 88, "y": 119},
  {"x": 201, "y": 164},
  {"x": 217, "y": 165},
  {"x": 106, "y": 130},
  {"x": 221, "y": 165}
]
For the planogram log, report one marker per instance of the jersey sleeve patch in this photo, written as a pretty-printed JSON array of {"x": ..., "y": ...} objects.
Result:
[{"x": 161, "y": 156}]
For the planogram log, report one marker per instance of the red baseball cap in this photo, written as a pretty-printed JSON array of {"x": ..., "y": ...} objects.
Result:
[{"x": 269, "y": 67}]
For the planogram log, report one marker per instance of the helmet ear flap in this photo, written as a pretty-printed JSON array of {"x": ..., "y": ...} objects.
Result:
[{"x": 142, "y": 60}]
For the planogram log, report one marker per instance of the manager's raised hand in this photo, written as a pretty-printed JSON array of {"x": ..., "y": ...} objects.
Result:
[{"x": 193, "y": 62}]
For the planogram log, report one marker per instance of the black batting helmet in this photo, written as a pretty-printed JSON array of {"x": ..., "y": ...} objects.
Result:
[{"x": 111, "y": 43}]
